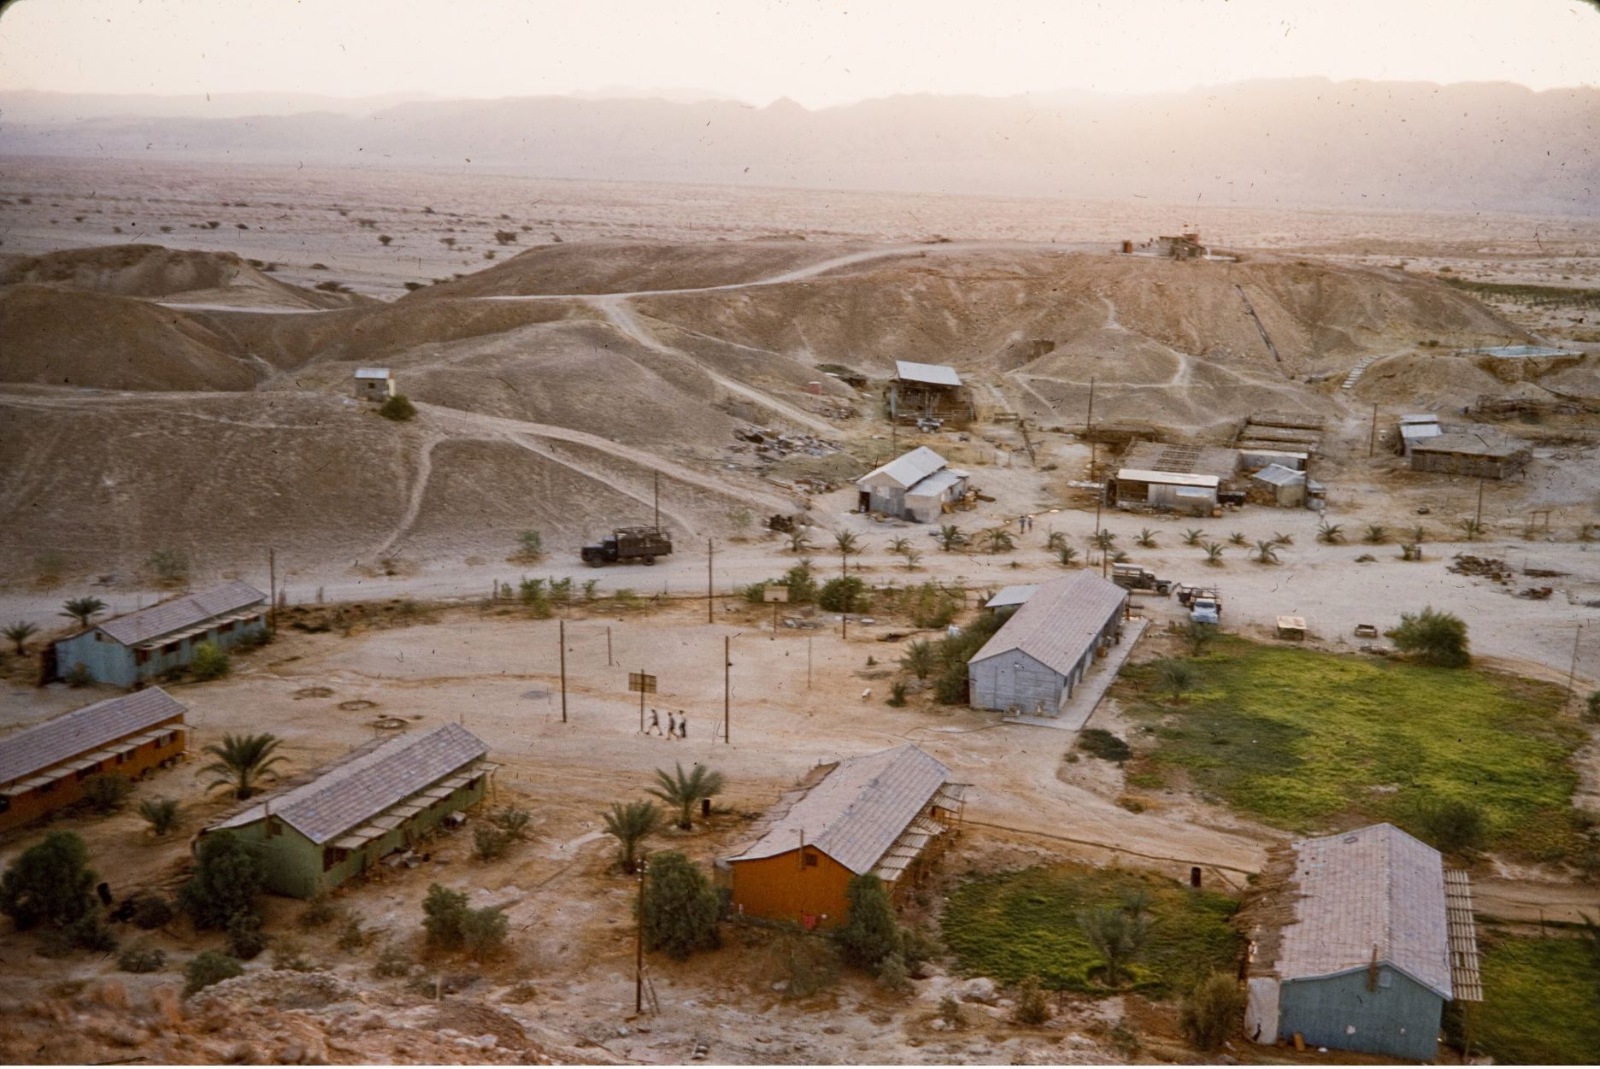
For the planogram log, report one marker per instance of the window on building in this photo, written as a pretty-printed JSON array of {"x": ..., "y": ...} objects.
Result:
[
  {"x": 85, "y": 773},
  {"x": 141, "y": 656},
  {"x": 46, "y": 788},
  {"x": 274, "y": 827},
  {"x": 810, "y": 859},
  {"x": 332, "y": 856},
  {"x": 171, "y": 647},
  {"x": 474, "y": 783}
]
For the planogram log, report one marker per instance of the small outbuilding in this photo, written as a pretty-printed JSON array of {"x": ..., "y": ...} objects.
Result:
[
  {"x": 1043, "y": 651},
  {"x": 1416, "y": 428},
  {"x": 43, "y": 768},
  {"x": 1279, "y": 486},
  {"x": 337, "y": 822},
  {"x": 888, "y": 814},
  {"x": 1480, "y": 456},
  {"x": 374, "y": 384},
  {"x": 1008, "y": 600},
  {"x": 1167, "y": 490},
  {"x": 129, "y": 650},
  {"x": 1357, "y": 942},
  {"x": 915, "y": 486},
  {"x": 927, "y": 391}
]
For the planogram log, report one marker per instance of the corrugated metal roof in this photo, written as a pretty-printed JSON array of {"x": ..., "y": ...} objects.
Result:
[
  {"x": 1060, "y": 621},
  {"x": 908, "y": 469},
  {"x": 81, "y": 731},
  {"x": 1493, "y": 445},
  {"x": 1012, "y": 595},
  {"x": 933, "y": 374},
  {"x": 1166, "y": 478},
  {"x": 355, "y": 792},
  {"x": 858, "y": 810},
  {"x": 1374, "y": 890},
  {"x": 372, "y": 372},
  {"x": 936, "y": 484},
  {"x": 1464, "y": 973},
  {"x": 181, "y": 613},
  {"x": 1419, "y": 419},
  {"x": 1278, "y": 475}
]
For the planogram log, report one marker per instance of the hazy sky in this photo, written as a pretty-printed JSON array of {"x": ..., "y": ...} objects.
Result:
[{"x": 818, "y": 52}]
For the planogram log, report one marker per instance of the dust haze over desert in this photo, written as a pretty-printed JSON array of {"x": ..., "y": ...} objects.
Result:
[{"x": 604, "y": 302}]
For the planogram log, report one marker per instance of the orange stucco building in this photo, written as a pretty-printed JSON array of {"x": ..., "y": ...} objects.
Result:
[
  {"x": 44, "y": 767},
  {"x": 885, "y": 813}
]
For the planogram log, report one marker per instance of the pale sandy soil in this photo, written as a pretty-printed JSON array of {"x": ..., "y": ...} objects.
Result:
[{"x": 439, "y": 501}]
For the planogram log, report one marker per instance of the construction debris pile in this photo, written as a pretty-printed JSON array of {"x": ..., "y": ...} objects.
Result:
[
  {"x": 772, "y": 447},
  {"x": 1282, "y": 430},
  {"x": 1487, "y": 567}
]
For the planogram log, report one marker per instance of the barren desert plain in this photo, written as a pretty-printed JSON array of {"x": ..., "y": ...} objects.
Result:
[{"x": 178, "y": 346}]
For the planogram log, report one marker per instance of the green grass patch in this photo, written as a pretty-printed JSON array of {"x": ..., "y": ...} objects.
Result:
[
  {"x": 1541, "y": 1002},
  {"x": 1012, "y": 925},
  {"x": 1311, "y": 741}
]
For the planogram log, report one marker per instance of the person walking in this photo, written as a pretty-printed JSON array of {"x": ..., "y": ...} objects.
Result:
[
  {"x": 672, "y": 725},
  {"x": 655, "y": 723},
  {"x": 683, "y": 726}
]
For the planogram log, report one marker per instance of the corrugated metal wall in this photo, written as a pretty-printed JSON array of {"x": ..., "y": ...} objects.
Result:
[
  {"x": 1400, "y": 1020},
  {"x": 1013, "y": 678}
]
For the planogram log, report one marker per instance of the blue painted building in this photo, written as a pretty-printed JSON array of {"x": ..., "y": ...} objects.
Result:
[
  {"x": 1362, "y": 938},
  {"x": 141, "y": 646}
]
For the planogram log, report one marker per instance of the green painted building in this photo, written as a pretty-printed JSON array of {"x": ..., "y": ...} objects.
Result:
[
  {"x": 1359, "y": 942},
  {"x": 321, "y": 829}
]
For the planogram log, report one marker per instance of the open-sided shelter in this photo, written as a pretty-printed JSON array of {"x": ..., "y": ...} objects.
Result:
[
  {"x": 43, "y": 768},
  {"x": 885, "y": 813},
  {"x": 142, "y": 645},
  {"x": 322, "y": 829},
  {"x": 927, "y": 391},
  {"x": 1357, "y": 942},
  {"x": 1042, "y": 652}
]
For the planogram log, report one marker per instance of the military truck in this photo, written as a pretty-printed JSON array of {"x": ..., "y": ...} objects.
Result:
[
  {"x": 628, "y": 544},
  {"x": 1137, "y": 578},
  {"x": 1203, "y": 602}
]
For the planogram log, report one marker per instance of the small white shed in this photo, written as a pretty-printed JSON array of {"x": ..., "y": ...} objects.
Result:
[{"x": 374, "y": 383}]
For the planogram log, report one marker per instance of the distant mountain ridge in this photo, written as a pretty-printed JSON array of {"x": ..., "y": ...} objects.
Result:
[{"x": 1301, "y": 143}]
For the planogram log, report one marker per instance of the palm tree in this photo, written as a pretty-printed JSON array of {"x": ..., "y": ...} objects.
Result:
[
  {"x": 1471, "y": 529},
  {"x": 912, "y": 556},
  {"x": 1237, "y": 538},
  {"x": 1066, "y": 555},
  {"x": 1146, "y": 539},
  {"x": 799, "y": 541},
  {"x": 1192, "y": 536},
  {"x": 241, "y": 761},
  {"x": 80, "y": 609},
  {"x": 1279, "y": 539},
  {"x": 1377, "y": 534},
  {"x": 899, "y": 546},
  {"x": 920, "y": 658},
  {"x": 1213, "y": 554},
  {"x": 19, "y": 633},
  {"x": 630, "y": 824},
  {"x": 999, "y": 540},
  {"x": 683, "y": 791},
  {"x": 1330, "y": 533},
  {"x": 1175, "y": 677},
  {"x": 1266, "y": 552},
  {"x": 950, "y": 537},
  {"x": 1117, "y": 935},
  {"x": 848, "y": 544},
  {"x": 1103, "y": 539}
]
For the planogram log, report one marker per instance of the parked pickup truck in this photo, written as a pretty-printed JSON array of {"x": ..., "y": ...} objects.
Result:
[
  {"x": 1135, "y": 577},
  {"x": 1203, "y": 602},
  {"x": 628, "y": 544}
]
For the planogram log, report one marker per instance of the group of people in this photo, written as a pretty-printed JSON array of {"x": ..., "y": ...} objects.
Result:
[{"x": 677, "y": 725}]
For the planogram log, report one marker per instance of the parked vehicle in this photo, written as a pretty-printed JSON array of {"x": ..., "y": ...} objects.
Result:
[
  {"x": 1205, "y": 611},
  {"x": 1188, "y": 592},
  {"x": 626, "y": 545},
  {"x": 1138, "y": 578}
]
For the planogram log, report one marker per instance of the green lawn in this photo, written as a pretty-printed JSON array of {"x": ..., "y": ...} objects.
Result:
[
  {"x": 1012, "y": 925},
  {"x": 1312, "y": 741},
  {"x": 1541, "y": 1002}
]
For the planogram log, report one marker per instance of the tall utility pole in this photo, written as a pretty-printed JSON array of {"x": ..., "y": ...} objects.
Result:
[
  {"x": 727, "y": 692},
  {"x": 1572, "y": 673},
  {"x": 1478, "y": 522},
  {"x": 638, "y": 946},
  {"x": 658, "y": 501},
  {"x": 272, "y": 590},
  {"x": 1372, "y": 442},
  {"x": 710, "y": 556},
  {"x": 561, "y": 638}
]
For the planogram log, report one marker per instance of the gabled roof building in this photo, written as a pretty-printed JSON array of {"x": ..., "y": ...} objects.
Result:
[
  {"x": 323, "y": 828},
  {"x": 1357, "y": 942},
  {"x": 912, "y": 486},
  {"x": 1043, "y": 651},
  {"x": 144, "y": 645},
  {"x": 883, "y": 814},
  {"x": 43, "y": 768}
]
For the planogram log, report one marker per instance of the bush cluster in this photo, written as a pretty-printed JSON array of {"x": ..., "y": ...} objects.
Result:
[{"x": 451, "y": 925}]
